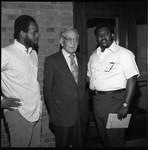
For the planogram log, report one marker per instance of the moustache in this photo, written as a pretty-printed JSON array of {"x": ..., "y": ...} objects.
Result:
[{"x": 103, "y": 41}]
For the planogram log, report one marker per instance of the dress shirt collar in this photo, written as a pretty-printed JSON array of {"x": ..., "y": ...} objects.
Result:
[
  {"x": 111, "y": 48},
  {"x": 22, "y": 47},
  {"x": 67, "y": 54}
]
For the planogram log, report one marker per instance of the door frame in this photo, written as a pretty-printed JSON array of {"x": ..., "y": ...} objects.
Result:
[{"x": 125, "y": 12}]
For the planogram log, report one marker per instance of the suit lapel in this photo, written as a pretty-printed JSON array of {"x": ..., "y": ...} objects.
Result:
[{"x": 64, "y": 67}]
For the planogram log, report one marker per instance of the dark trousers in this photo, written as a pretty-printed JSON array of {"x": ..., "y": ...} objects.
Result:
[
  {"x": 70, "y": 136},
  {"x": 103, "y": 105}
]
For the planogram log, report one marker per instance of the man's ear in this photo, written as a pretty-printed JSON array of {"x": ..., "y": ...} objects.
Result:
[
  {"x": 22, "y": 34},
  {"x": 61, "y": 41},
  {"x": 113, "y": 36}
]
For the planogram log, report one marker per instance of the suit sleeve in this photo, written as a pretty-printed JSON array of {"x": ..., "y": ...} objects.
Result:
[{"x": 47, "y": 82}]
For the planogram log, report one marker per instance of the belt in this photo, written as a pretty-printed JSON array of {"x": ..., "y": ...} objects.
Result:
[{"x": 96, "y": 93}]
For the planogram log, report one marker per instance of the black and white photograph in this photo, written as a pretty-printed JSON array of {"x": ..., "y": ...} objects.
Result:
[{"x": 74, "y": 74}]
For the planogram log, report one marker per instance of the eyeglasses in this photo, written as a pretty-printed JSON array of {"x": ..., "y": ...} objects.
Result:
[{"x": 69, "y": 40}]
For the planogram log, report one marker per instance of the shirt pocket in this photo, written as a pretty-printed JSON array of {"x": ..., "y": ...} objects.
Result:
[{"x": 110, "y": 67}]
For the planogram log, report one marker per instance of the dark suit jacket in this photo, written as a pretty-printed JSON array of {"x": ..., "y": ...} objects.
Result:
[{"x": 63, "y": 97}]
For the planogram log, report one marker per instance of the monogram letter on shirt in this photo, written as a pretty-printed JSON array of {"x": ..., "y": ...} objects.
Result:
[{"x": 109, "y": 67}]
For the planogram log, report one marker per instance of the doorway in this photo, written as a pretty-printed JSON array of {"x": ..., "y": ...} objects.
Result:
[{"x": 91, "y": 24}]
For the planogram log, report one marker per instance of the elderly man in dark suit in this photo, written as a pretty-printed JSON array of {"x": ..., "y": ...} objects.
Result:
[{"x": 65, "y": 92}]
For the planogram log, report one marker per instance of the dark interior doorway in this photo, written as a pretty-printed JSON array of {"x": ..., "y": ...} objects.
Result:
[{"x": 91, "y": 24}]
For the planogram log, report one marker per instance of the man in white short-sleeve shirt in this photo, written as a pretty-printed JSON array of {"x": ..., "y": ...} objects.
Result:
[{"x": 112, "y": 73}]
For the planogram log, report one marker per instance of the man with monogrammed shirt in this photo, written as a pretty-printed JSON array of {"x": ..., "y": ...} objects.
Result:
[{"x": 112, "y": 73}]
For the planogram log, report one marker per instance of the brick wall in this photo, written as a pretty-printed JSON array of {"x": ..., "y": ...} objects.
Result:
[{"x": 51, "y": 18}]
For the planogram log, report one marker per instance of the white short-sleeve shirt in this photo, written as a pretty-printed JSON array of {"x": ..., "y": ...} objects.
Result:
[{"x": 109, "y": 70}]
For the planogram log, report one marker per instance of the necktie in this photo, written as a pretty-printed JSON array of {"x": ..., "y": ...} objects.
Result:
[{"x": 74, "y": 67}]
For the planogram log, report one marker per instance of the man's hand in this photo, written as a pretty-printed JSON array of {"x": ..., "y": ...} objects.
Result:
[
  {"x": 8, "y": 103},
  {"x": 130, "y": 89},
  {"x": 122, "y": 112}
]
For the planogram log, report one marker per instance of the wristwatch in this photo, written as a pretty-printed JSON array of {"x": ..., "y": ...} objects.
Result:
[
  {"x": 1, "y": 97},
  {"x": 125, "y": 105}
]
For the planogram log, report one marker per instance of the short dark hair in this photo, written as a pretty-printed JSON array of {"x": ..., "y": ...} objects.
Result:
[
  {"x": 104, "y": 25},
  {"x": 22, "y": 24}
]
